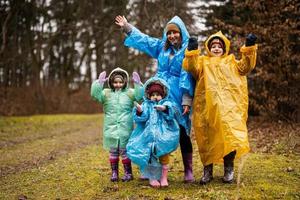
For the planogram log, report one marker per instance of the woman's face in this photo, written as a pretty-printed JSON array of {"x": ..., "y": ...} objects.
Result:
[
  {"x": 174, "y": 37},
  {"x": 118, "y": 83},
  {"x": 216, "y": 50}
]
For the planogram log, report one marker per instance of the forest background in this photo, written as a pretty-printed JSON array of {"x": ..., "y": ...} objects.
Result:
[{"x": 52, "y": 50}]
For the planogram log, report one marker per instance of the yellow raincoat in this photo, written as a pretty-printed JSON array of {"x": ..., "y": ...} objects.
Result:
[{"x": 220, "y": 107}]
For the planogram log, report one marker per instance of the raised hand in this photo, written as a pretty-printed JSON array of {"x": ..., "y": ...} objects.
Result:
[
  {"x": 193, "y": 44},
  {"x": 136, "y": 78},
  {"x": 250, "y": 40},
  {"x": 102, "y": 77},
  {"x": 121, "y": 21}
]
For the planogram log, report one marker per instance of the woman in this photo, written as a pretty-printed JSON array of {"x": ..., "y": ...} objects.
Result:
[{"x": 169, "y": 52}]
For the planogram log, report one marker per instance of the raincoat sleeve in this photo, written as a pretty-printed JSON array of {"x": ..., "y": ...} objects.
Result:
[
  {"x": 192, "y": 63},
  {"x": 138, "y": 91},
  {"x": 143, "y": 117},
  {"x": 142, "y": 42},
  {"x": 97, "y": 92},
  {"x": 187, "y": 83},
  {"x": 169, "y": 115},
  {"x": 248, "y": 61}
]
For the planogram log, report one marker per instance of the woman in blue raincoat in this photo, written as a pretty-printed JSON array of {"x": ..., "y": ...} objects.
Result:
[
  {"x": 156, "y": 134},
  {"x": 169, "y": 52}
]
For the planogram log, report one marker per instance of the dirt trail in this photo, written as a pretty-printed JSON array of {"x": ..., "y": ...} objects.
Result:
[{"x": 40, "y": 149}]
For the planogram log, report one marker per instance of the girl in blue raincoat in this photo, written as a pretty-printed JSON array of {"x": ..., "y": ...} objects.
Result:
[
  {"x": 118, "y": 102},
  {"x": 169, "y": 52},
  {"x": 156, "y": 134}
]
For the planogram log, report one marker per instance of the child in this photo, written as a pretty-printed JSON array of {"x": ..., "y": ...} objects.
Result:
[
  {"x": 118, "y": 102},
  {"x": 156, "y": 134},
  {"x": 221, "y": 101}
]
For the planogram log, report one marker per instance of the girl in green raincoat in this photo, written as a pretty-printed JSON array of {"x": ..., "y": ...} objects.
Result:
[
  {"x": 118, "y": 102},
  {"x": 220, "y": 101}
]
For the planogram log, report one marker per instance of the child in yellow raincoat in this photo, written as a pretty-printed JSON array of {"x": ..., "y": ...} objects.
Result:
[{"x": 220, "y": 101}]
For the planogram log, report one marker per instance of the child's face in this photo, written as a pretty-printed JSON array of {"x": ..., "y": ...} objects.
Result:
[
  {"x": 118, "y": 83},
  {"x": 155, "y": 96},
  {"x": 216, "y": 50},
  {"x": 174, "y": 37}
]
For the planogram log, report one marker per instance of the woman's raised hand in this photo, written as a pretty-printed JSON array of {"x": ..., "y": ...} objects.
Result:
[{"x": 121, "y": 21}]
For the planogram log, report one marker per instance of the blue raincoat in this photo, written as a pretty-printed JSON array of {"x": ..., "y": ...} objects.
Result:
[
  {"x": 156, "y": 133},
  {"x": 169, "y": 69}
]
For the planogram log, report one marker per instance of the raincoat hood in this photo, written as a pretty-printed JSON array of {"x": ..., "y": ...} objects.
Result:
[
  {"x": 120, "y": 71},
  {"x": 156, "y": 80},
  {"x": 184, "y": 33},
  {"x": 222, "y": 37}
]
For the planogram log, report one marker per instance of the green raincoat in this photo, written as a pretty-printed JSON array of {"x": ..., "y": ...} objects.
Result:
[
  {"x": 220, "y": 101},
  {"x": 117, "y": 105}
]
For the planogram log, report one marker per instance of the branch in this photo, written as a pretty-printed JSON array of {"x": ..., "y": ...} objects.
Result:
[{"x": 4, "y": 28}]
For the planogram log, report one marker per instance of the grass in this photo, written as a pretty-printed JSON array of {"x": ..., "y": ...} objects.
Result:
[{"x": 61, "y": 157}]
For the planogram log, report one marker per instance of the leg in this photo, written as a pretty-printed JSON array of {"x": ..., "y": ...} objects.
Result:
[
  {"x": 187, "y": 155},
  {"x": 207, "y": 174},
  {"x": 164, "y": 160},
  {"x": 114, "y": 162},
  {"x": 127, "y": 166},
  {"x": 142, "y": 177},
  {"x": 229, "y": 167}
]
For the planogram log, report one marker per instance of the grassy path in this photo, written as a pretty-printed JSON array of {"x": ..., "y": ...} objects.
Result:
[
  {"x": 60, "y": 157},
  {"x": 33, "y": 141}
]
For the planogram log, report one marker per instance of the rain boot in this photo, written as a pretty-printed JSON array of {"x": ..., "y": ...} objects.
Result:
[
  {"x": 164, "y": 176},
  {"x": 127, "y": 172},
  {"x": 115, "y": 172},
  {"x": 207, "y": 174},
  {"x": 188, "y": 167},
  {"x": 229, "y": 167}
]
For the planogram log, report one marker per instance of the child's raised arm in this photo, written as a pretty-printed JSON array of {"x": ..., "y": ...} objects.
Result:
[
  {"x": 191, "y": 61},
  {"x": 138, "y": 86},
  {"x": 248, "y": 61},
  {"x": 97, "y": 87}
]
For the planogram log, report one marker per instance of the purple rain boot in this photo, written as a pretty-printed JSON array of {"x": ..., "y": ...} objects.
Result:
[
  {"x": 127, "y": 172},
  {"x": 188, "y": 167},
  {"x": 114, "y": 172}
]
